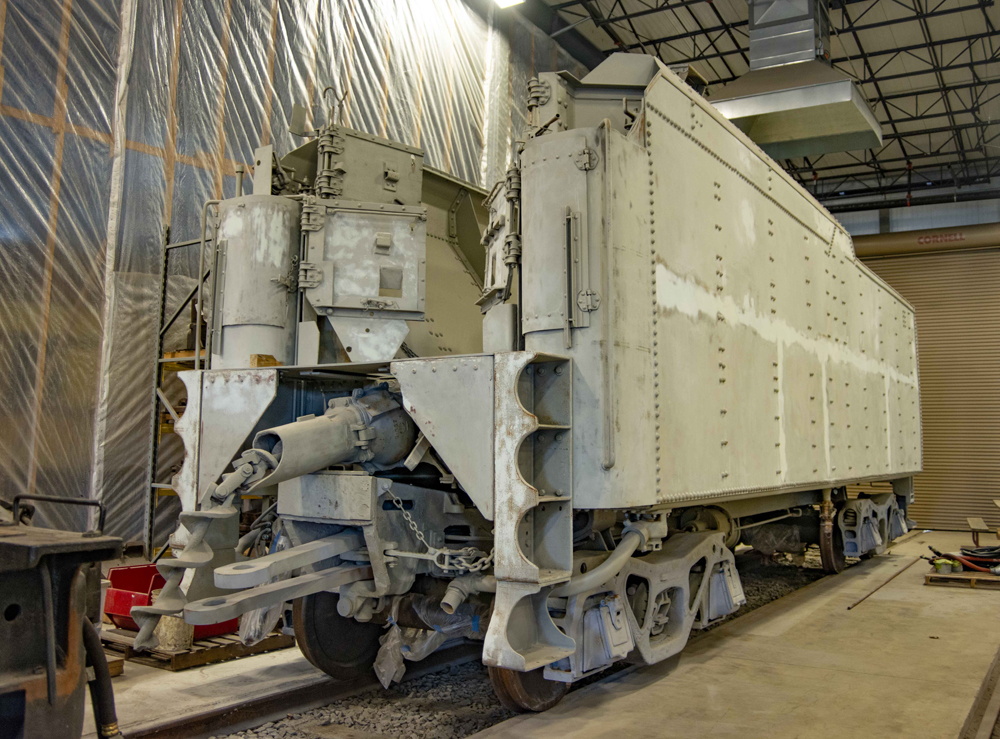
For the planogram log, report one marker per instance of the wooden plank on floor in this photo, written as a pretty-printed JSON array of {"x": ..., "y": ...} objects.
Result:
[{"x": 186, "y": 660}]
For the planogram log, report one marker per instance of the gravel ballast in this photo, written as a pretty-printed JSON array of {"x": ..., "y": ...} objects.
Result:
[{"x": 459, "y": 701}]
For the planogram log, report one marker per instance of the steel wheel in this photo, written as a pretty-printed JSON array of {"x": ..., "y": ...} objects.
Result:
[
  {"x": 525, "y": 692},
  {"x": 341, "y": 647}
]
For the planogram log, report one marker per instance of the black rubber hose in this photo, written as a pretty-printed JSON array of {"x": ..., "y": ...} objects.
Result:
[{"x": 102, "y": 695}]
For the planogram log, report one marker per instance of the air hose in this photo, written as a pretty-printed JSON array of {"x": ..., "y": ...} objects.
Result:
[
  {"x": 966, "y": 562},
  {"x": 102, "y": 695},
  {"x": 991, "y": 554}
]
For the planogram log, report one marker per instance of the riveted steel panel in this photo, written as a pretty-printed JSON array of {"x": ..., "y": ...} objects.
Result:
[
  {"x": 451, "y": 401},
  {"x": 223, "y": 407},
  {"x": 786, "y": 362},
  {"x": 554, "y": 186},
  {"x": 739, "y": 348}
]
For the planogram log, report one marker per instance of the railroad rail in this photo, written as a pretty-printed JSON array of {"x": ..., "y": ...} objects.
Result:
[{"x": 255, "y": 711}]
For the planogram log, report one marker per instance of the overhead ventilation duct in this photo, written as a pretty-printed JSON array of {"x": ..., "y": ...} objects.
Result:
[{"x": 792, "y": 103}]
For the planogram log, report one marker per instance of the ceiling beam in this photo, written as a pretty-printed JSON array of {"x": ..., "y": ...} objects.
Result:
[
  {"x": 925, "y": 172},
  {"x": 934, "y": 90},
  {"x": 936, "y": 13},
  {"x": 540, "y": 14},
  {"x": 890, "y": 160},
  {"x": 937, "y": 199},
  {"x": 856, "y": 57}
]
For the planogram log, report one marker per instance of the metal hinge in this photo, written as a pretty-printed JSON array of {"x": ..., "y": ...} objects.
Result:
[
  {"x": 588, "y": 300},
  {"x": 512, "y": 249},
  {"x": 391, "y": 177},
  {"x": 309, "y": 275},
  {"x": 331, "y": 142},
  {"x": 313, "y": 214},
  {"x": 586, "y": 159},
  {"x": 539, "y": 92}
]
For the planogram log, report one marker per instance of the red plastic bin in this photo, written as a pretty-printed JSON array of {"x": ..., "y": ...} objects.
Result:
[{"x": 133, "y": 586}]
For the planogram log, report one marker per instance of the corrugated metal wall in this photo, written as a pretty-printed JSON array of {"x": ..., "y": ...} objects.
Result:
[{"x": 957, "y": 304}]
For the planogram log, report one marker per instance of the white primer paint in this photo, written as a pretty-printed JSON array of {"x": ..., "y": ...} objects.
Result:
[
  {"x": 888, "y": 424},
  {"x": 686, "y": 296},
  {"x": 782, "y": 444},
  {"x": 826, "y": 423},
  {"x": 674, "y": 292}
]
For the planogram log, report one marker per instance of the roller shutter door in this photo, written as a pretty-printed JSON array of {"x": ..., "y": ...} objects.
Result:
[{"x": 957, "y": 300}]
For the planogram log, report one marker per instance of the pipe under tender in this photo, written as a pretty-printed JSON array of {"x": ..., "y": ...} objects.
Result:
[
  {"x": 462, "y": 587},
  {"x": 604, "y": 571}
]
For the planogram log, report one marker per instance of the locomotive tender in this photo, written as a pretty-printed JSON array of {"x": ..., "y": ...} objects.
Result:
[{"x": 680, "y": 352}]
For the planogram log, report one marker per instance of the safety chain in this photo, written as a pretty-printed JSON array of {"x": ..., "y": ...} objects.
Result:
[{"x": 467, "y": 559}]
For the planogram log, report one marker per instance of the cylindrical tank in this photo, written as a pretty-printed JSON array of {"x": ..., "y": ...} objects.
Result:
[{"x": 255, "y": 281}]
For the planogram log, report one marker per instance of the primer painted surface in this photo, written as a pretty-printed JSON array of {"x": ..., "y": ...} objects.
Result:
[
  {"x": 223, "y": 407},
  {"x": 451, "y": 400},
  {"x": 782, "y": 360},
  {"x": 739, "y": 347}
]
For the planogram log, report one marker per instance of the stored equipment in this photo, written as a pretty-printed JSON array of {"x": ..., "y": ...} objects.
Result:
[{"x": 680, "y": 352}]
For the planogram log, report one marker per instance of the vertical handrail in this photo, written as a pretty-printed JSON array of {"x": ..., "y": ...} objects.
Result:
[
  {"x": 568, "y": 323},
  {"x": 210, "y": 323},
  {"x": 201, "y": 271},
  {"x": 150, "y": 508},
  {"x": 608, "y": 345}
]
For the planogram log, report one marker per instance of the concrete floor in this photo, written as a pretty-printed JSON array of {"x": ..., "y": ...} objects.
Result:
[
  {"x": 149, "y": 697},
  {"x": 906, "y": 662}
]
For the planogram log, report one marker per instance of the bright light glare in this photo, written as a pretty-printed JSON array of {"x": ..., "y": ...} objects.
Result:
[{"x": 507, "y": 3}]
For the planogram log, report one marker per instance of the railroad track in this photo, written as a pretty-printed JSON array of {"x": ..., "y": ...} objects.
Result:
[
  {"x": 763, "y": 583},
  {"x": 261, "y": 709}
]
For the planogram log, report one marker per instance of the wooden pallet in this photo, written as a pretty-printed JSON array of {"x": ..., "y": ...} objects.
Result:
[
  {"x": 183, "y": 354},
  {"x": 981, "y": 580},
  {"x": 116, "y": 663},
  {"x": 202, "y": 652}
]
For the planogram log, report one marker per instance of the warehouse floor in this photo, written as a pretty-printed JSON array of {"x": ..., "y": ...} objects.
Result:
[{"x": 907, "y": 661}]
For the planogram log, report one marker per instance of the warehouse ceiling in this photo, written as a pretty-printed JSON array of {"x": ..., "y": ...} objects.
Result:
[{"x": 930, "y": 69}]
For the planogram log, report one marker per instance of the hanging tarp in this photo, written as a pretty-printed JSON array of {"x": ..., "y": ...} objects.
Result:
[{"x": 119, "y": 118}]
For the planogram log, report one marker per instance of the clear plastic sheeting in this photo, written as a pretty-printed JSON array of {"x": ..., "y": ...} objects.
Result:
[
  {"x": 401, "y": 644},
  {"x": 119, "y": 118}
]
